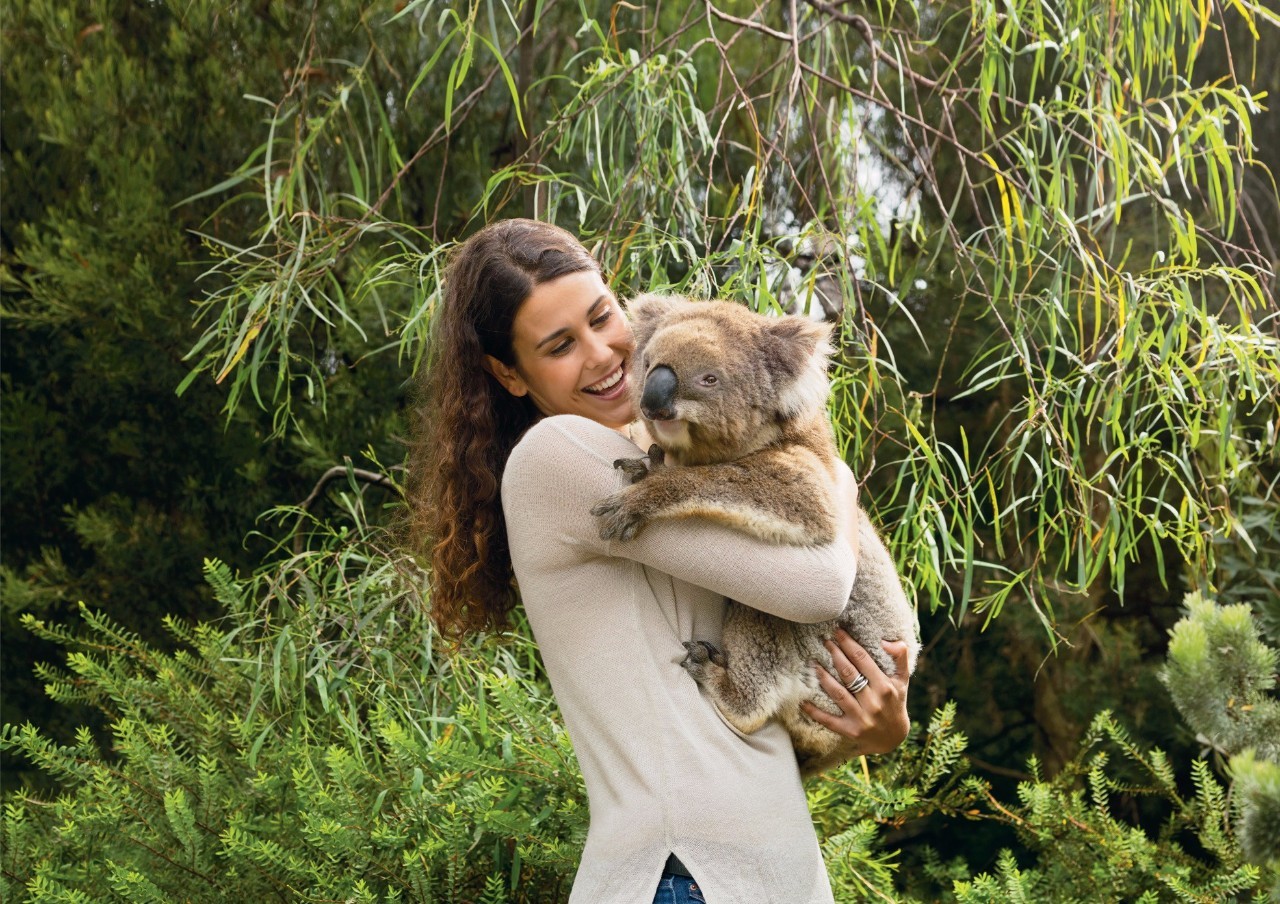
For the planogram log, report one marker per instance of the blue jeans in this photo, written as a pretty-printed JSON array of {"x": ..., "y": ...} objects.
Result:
[{"x": 678, "y": 890}]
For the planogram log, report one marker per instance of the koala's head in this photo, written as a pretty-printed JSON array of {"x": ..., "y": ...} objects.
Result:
[{"x": 714, "y": 381}]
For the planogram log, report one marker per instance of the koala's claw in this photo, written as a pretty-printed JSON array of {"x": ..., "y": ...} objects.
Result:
[
  {"x": 703, "y": 659},
  {"x": 617, "y": 520},
  {"x": 635, "y": 468}
]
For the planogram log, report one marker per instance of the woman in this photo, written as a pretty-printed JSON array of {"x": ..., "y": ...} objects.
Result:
[{"x": 527, "y": 408}]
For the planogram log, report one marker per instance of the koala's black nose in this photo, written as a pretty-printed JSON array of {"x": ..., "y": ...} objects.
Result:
[{"x": 659, "y": 399}]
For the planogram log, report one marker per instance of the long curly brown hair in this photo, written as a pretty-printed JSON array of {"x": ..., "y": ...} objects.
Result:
[{"x": 465, "y": 424}]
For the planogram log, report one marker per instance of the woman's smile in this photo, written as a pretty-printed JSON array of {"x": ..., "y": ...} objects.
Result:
[{"x": 611, "y": 386}]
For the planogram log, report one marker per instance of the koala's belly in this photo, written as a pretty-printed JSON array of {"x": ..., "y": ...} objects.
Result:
[{"x": 772, "y": 649}]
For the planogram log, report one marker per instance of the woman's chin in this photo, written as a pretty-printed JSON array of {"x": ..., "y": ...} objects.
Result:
[{"x": 618, "y": 416}]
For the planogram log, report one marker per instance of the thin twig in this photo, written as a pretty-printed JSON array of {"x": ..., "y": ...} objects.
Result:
[
  {"x": 372, "y": 478},
  {"x": 863, "y": 27},
  {"x": 747, "y": 24}
]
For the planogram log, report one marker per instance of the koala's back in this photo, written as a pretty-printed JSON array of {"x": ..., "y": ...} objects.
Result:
[
  {"x": 769, "y": 658},
  {"x": 878, "y": 605}
]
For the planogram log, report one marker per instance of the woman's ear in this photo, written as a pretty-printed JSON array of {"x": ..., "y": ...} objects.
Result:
[{"x": 510, "y": 379}]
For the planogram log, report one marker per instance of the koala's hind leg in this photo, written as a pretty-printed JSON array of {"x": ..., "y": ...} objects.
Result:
[{"x": 741, "y": 703}]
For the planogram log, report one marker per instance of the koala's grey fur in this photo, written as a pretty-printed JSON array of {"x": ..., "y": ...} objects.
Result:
[{"x": 764, "y": 462}]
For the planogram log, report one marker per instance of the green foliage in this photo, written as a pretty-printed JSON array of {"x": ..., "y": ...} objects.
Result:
[
  {"x": 316, "y": 744},
  {"x": 115, "y": 489},
  {"x": 1072, "y": 844},
  {"x": 1220, "y": 675},
  {"x": 1249, "y": 557},
  {"x": 1100, "y": 353},
  {"x": 1258, "y": 787},
  {"x": 313, "y": 744},
  {"x": 851, "y": 805}
]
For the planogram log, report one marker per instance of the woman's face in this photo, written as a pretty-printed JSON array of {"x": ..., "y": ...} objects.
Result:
[{"x": 572, "y": 348}]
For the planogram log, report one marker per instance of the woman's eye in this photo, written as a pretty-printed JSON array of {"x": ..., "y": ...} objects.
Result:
[
  {"x": 602, "y": 318},
  {"x": 561, "y": 348}
]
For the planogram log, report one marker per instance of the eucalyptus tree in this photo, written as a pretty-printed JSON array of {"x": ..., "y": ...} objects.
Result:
[
  {"x": 1043, "y": 230},
  {"x": 1058, "y": 315}
]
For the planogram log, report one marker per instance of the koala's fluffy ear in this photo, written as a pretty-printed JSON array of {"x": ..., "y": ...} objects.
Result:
[
  {"x": 646, "y": 311},
  {"x": 795, "y": 351}
]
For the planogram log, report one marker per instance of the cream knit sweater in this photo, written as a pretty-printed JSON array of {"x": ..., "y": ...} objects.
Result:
[{"x": 664, "y": 773}]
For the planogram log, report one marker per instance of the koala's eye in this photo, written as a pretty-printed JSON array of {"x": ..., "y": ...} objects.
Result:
[{"x": 708, "y": 380}]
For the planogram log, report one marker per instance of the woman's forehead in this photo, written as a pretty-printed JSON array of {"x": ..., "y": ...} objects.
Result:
[{"x": 560, "y": 303}]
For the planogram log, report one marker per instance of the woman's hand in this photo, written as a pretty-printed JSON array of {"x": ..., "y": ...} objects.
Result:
[{"x": 875, "y": 719}]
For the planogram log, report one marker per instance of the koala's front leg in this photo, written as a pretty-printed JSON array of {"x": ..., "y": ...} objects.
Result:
[
  {"x": 773, "y": 494},
  {"x": 625, "y": 513}
]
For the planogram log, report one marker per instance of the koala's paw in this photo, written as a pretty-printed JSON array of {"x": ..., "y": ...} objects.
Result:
[
  {"x": 703, "y": 660},
  {"x": 619, "y": 519},
  {"x": 636, "y": 469}
]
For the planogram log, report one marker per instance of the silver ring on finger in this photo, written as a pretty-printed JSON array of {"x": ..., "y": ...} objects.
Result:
[{"x": 857, "y": 684}]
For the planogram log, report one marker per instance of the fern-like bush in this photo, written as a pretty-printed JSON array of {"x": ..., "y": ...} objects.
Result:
[
  {"x": 1072, "y": 844},
  {"x": 1084, "y": 851},
  {"x": 314, "y": 744},
  {"x": 317, "y": 744},
  {"x": 313, "y": 755}
]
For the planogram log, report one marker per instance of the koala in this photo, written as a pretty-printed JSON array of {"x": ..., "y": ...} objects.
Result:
[{"x": 735, "y": 402}]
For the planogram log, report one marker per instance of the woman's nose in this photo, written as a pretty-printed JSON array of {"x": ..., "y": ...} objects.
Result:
[{"x": 598, "y": 351}]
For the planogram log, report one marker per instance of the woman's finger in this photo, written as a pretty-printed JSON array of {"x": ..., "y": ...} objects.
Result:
[
  {"x": 840, "y": 696},
  {"x": 845, "y": 671},
  {"x": 859, "y": 660},
  {"x": 826, "y": 719}
]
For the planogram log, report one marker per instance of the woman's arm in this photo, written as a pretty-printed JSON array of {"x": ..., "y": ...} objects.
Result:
[{"x": 564, "y": 465}]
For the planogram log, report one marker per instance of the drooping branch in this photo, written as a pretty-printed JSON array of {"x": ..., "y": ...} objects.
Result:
[{"x": 370, "y": 477}]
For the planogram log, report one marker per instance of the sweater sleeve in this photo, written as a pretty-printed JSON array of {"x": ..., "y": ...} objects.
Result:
[{"x": 564, "y": 465}]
